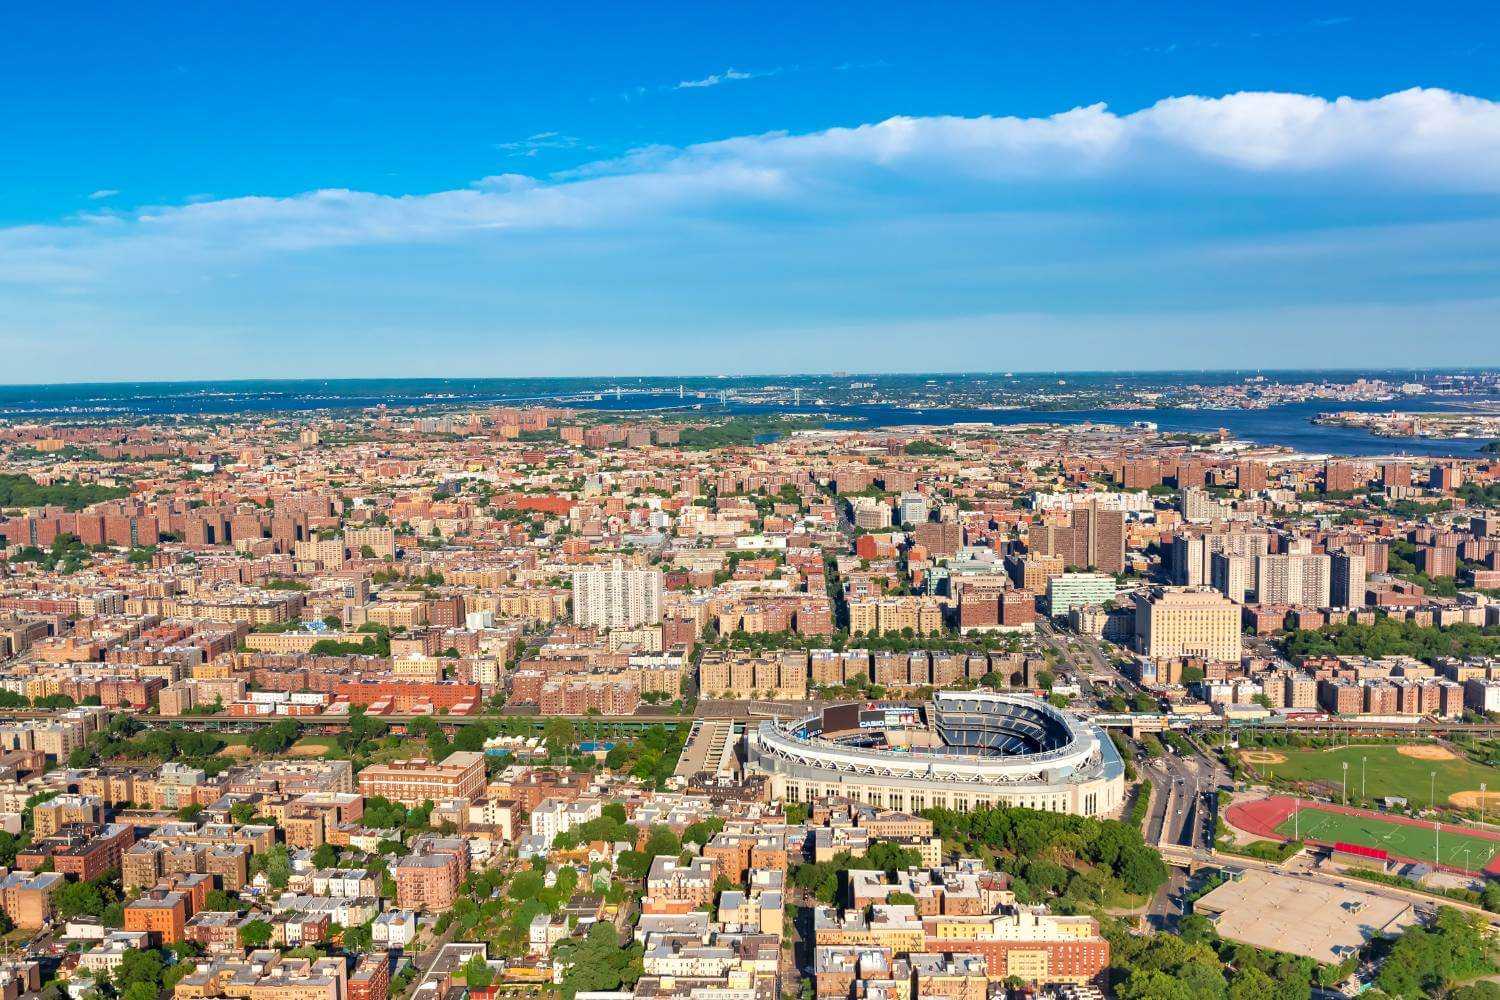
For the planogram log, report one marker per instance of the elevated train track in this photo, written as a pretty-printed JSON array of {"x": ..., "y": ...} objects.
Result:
[{"x": 751, "y": 712}]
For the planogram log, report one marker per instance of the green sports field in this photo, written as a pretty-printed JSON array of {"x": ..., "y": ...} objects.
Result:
[
  {"x": 1387, "y": 771},
  {"x": 1402, "y": 839}
]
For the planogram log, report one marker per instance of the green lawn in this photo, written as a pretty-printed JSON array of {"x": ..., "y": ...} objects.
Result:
[
  {"x": 1405, "y": 840},
  {"x": 307, "y": 744},
  {"x": 1386, "y": 772}
]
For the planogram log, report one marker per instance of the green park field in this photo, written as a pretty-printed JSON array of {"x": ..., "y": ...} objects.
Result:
[
  {"x": 1402, "y": 839},
  {"x": 1413, "y": 772}
]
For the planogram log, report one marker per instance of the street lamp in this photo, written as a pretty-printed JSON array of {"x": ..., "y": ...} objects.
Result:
[
  {"x": 1481, "y": 803},
  {"x": 1362, "y": 778},
  {"x": 1432, "y": 790},
  {"x": 1344, "y": 786}
]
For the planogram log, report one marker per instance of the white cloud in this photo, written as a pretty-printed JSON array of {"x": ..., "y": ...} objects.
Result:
[
  {"x": 714, "y": 79},
  {"x": 1412, "y": 143},
  {"x": 537, "y": 143},
  {"x": 103, "y": 193}
]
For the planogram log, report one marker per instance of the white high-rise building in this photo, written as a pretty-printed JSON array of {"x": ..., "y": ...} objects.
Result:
[
  {"x": 1078, "y": 590},
  {"x": 1300, "y": 579},
  {"x": 617, "y": 597},
  {"x": 1348, "y": 580},
  {"x": 1191, "y": 556},
  {"x": 912, "y": 508},
  {"x": 1230, "y": 575},
  {"x": 1200, "y": 507}
]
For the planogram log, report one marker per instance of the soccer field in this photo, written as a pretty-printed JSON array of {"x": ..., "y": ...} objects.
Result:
[
  {"x": 1386, "y": 770},
  {"x": 1401, "y": 839}
]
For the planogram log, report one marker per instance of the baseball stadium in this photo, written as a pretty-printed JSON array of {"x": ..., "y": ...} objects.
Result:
[{"x": 962, "y": 751}]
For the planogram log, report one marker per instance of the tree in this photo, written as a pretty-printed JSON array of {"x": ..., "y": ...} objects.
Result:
[
  {"x": 78, "y": 899},
  {"x": 1252, "y": 984},
  {"x": 598, "y": 962},
  {"x": 382, "y": 813},
  {"x": 358, "y": 939},
  {"x": 560, "y": 734},
  {"x": 703, "y": 831},
  {"x": 276, "y": 864},
  {"x": 1491, "y": 896},
  {"x": 477, "y": 973},
  {"x": 326, "y": 856},
  {"x": 277, "y": 738},
  {"x": 141, "y": 969},
  {"x": 175, "y": 974},
  {"x": 1145, "y": 984},
  {"x": 255, "y": 934},
  {"x": 1427, "y": 960},
  {"x": 218, "y": 899},
  {"x": 662, "y": 841}
]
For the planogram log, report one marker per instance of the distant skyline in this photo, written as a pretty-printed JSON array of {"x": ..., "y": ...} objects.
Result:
[
  {"x": 1145, "y": 374},
  {"x": 602, "y": 190}
]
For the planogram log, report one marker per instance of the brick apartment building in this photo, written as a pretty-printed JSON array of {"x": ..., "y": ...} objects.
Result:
[
  {"x": 411, "y": 782},
  {"x": 427, "y": 883}
]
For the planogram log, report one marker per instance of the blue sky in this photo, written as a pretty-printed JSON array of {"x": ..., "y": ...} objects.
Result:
[{"x": 378, "y": 189}]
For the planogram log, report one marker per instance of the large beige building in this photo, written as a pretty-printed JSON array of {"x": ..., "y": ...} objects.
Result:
[
  {"x": 1176, "y": 622},
  {"x": 869, "y": 616},
  {"x": 743, "y": 675},
  {"x": 382, "y": 541}
]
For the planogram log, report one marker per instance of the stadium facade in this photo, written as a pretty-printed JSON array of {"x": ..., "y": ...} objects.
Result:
[{"x": 962, "y": 751}]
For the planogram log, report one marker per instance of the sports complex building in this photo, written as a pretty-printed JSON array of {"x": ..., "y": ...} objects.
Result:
[{"x": 962, "y": 751}]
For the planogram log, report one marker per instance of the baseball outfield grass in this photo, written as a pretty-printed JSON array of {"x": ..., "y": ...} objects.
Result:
[{"x": 1412, "y": 772}]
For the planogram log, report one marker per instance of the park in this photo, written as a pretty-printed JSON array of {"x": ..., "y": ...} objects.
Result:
[{"x": 1424, "y": 774}]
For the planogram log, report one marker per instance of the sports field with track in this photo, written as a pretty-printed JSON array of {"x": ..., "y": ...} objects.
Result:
[
  {"x": 1458, "y": 848},
  {"x": 1401, "y": 840}
]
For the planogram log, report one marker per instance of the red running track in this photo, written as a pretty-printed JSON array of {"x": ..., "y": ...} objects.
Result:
[{"x": 1261, "y": 818}]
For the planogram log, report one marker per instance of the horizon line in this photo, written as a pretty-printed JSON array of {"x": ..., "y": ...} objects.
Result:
[{"x": 251, "y": 380}]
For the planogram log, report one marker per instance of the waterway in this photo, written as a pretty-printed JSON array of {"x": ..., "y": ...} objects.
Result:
[{"x": 1288, "y": 425}]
